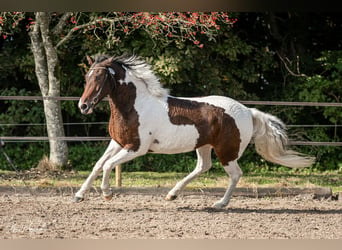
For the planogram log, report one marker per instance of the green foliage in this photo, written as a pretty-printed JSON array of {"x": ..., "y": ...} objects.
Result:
[
  {"x": 167, "y": 65},
  {"x": 24, "y": 155},
  {"x": 22, "y": 113},
  {"x": 83, "y": 156},
  {"x": 162, "y": 163},
  {"x": 326, "y": 87}
]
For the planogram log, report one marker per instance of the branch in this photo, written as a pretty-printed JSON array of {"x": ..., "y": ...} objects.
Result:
[
  {"x": 288, "y": 69},
  {"x": 82, "y": 26},
  {"x": 62, "y": 21},
  {"x": 173, "y": 26}
]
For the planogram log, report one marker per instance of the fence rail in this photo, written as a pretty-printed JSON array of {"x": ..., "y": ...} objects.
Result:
[
  {"x": 275, "y": 103},
  {"x": 99, "y": 138},
  {"x": 106, "y": 123},
  {"x": 46, "y": 138},
  {"x": 85, "y": 138}
]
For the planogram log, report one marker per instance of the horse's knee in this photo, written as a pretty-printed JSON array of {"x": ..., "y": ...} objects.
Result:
[
  {"x": 107, "y": 168},
  {"x": 97, "y": 169}
]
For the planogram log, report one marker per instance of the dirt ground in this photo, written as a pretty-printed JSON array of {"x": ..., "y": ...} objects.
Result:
[{"x": 147, "y": 215}]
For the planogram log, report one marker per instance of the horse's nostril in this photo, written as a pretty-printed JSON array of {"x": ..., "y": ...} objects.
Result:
[{"x": 84, "y": 106}]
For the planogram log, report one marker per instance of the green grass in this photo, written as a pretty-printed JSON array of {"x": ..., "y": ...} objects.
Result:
[{"x": 332, "y": 179}]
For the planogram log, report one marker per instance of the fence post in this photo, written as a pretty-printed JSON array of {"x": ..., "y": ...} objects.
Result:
[{"x": 118, "y": 175}]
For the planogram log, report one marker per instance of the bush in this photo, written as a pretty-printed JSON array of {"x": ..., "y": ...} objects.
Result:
[
  {"x": 83, "y": 156},
  {"x": 24, "y": 155}
]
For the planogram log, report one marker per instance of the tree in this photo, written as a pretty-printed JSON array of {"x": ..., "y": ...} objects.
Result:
[
  {"x": 46, "y": 69},
  {"x": 46, "y": 65},
  {"x": 49, "y": 32}
]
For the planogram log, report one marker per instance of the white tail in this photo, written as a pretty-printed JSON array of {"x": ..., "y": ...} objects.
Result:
[{"x": 271, "y": 140}]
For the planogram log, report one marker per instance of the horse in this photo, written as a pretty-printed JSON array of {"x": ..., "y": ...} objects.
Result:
[{"x": 145, "y": 118}]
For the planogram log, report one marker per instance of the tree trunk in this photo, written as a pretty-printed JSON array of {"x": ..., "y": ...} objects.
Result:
[{"x": 46, "y": 65}]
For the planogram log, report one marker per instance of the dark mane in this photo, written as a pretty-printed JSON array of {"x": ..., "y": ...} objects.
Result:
[
  {"x": 126, "y": 60},
  {"x": 101, "y": 58},
  {"x": 129, "y": 61},
  {"x": 140, "y": 68}
]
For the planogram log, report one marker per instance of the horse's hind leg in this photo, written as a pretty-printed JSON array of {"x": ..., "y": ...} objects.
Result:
[
  {"x": 203, "y": 164},
  {"x": 234, "y": 171}
]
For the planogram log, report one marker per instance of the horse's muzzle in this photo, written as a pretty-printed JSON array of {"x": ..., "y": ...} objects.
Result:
[{"x": 86, "y": 108}]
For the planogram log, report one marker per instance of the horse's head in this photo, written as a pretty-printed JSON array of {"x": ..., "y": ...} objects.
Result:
[{"x": 100, "y": 81}]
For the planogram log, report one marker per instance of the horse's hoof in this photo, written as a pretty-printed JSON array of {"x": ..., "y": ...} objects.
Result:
[
  {"x": 108, "y": 198},
  {"x": 219, "y": 205},
  {"x": 170, "y": 197},
  {"x": 78, "y": 199}
]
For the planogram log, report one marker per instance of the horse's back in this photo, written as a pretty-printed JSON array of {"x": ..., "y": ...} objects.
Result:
[
  {"x": 190, "y": 123},
  {"x": 240, "y": 114},
  {"x": 231, "y": 106}
]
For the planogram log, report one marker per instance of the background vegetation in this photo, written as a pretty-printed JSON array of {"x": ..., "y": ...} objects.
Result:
[{"x": 258, "y": 56}]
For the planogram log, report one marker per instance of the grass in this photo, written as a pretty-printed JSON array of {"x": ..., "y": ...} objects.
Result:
[{"x": 332, "y": 179}]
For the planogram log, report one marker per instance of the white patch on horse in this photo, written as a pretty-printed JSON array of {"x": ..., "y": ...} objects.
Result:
[
  {"x": 178, "y": 139},
  {"x": 172, "y": 138},
  {"x": 121, "y": 82}
]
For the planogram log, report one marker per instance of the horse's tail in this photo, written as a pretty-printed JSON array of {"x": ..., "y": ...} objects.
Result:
[{"x": 270, "y": 138}]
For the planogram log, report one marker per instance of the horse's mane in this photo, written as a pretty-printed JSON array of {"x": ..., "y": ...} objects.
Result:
[{"x": 141, "y": 70}]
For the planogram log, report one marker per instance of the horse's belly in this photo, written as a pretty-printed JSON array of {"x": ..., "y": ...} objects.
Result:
[{"x": 175, "y": 139}]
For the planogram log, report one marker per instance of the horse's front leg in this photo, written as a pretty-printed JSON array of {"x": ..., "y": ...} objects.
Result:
[
  {"x": 121, "y": 157},
  {"x": 111, "y": 150}
]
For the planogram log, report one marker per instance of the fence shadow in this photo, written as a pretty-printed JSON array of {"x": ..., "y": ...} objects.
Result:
[{"x": 261, "y": 210}]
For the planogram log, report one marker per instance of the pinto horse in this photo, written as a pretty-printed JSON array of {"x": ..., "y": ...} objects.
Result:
[{"x": 146, "y": 119}]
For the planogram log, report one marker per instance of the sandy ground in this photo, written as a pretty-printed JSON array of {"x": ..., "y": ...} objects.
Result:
[{"x": 134, "y": 215}]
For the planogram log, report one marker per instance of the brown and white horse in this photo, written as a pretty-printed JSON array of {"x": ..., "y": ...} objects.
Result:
[{"x": 146, "y": 119}]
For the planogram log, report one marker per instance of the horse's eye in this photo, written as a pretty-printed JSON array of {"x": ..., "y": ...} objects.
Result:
[{"x": 97, "y": 78}]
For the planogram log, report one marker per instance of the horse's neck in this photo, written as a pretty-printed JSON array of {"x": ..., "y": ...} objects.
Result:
[
  {"x": 123, "y": 114},
  {"x": 126, "y": 95},
  {"x": 124, "y": 119},
  {"x": 122, "y": 99}
]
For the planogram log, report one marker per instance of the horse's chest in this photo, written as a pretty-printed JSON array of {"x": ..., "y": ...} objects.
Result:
[{"x": 123, "y": 128}]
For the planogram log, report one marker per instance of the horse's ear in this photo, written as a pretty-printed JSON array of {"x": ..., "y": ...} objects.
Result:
[{"x": 90, "y": 61}]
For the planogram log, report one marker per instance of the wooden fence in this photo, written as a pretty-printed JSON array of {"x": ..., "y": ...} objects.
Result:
[
  {"x": 87, "y": 138},
  {"x": 118, "y": 169}
]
